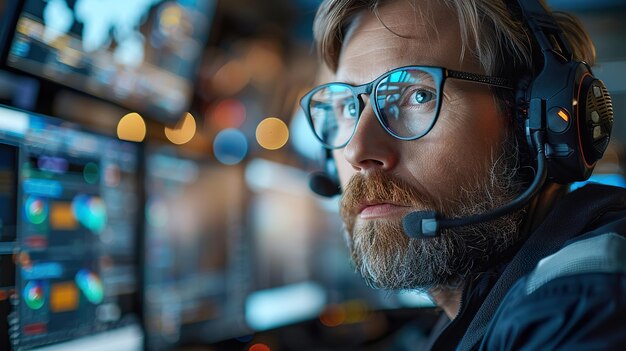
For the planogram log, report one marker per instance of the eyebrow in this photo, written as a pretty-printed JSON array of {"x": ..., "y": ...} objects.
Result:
[
  {"x": 353, "y": 83},
  {"x": 450, "y": 73},
  {"x": 346, "y": 81}
]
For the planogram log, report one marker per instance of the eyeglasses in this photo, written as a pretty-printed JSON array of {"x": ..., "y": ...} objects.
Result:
[{"x": 406, "y": 102}]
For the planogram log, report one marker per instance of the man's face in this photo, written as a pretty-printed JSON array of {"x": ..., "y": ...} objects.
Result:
[{"x": 459, "y": 168}]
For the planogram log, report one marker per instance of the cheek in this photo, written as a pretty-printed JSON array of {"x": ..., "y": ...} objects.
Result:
[
  {"x": 458, "y": 151},
  {"x": 472, "y": 130},
  {"x": 434, "y": 167}
]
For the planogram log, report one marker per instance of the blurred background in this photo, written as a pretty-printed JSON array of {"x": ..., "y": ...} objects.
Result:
[{"x": 153, "y": 180}]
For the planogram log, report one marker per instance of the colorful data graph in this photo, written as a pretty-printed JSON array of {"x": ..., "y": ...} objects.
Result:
[
  {"x": 91, "y": 285},
  {"x": 90, "y": 211},
  {"x": 36, "y": 209},
  {"x": 34, "y": 294}
]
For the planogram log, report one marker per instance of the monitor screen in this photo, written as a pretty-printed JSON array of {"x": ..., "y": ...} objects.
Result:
[
  {"x": 141, "y": 54},
  {"x": 196, "y": 271},
  {"x": 76, "y": 258}
]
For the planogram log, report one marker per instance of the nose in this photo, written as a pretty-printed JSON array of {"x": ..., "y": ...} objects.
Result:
[{"x": 371, "y": 147}]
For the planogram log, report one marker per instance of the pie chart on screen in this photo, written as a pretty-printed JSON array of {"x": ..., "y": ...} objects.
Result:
[
  {"x": 36, "y": 209},
  {"x": 91, "y": 285},
  {"x": 34, "y": 295}
]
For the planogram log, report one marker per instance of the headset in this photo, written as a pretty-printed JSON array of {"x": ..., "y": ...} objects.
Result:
[
  {"x": 567, "y": 114},
  {"x": 326, "y": 183}
]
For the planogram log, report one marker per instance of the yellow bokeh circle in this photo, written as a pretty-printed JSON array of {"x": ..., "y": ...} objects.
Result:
[
  {"x": 131, "y": 127},
  {"x": 272, "y": 133},
  {"x": 183, "y": 132}
]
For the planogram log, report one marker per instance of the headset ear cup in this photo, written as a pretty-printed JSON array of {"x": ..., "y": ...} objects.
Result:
[
  {"x": 579, "y": 119},
  {"x": 595, "y": 119}
]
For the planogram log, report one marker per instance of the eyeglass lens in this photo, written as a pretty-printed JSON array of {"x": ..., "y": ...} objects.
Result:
[{"x": 405, "y": 102}]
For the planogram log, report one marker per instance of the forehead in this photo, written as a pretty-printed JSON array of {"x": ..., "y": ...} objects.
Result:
[{"x": 402, "y": 33}]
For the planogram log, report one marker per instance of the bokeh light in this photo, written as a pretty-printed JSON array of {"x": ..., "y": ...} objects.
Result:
[
  {"x": 24, "y": 260},
  {"x": 170, "y": 18},
  {"x": 91, "y": 173},
  {"x": 356, "y": 311},
  {"x": 229, "y": 113},
  {"x": 157, "y": 214},
  {"x": 333, "y": 316},
  {"x": 183, "y": 132},
  {"x": 259, "y": 347},
  {"x": 264, "y": 62},
  {"x": 272, "y": 133},
  {"x": 132, "y": 127},
  {"x": 231, "y": 78},
  {"x": 230, "y": 146},
  {"x": 112, "y": 175}
]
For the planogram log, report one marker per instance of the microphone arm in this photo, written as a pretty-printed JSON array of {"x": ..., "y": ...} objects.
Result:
[{"x": 423, "y": 224}]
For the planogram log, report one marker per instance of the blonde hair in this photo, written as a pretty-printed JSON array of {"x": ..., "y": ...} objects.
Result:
[{"x": 489, "y": 32}]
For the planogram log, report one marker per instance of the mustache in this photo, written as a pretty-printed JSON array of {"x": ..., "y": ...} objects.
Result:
[{"x": 379, "y": 186}]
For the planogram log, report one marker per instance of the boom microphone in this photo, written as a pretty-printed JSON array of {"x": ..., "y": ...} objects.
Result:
[{"x": 428, "y": 224}]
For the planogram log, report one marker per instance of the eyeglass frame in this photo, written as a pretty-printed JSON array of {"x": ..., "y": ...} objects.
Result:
[{"x": 439, "y": 74}]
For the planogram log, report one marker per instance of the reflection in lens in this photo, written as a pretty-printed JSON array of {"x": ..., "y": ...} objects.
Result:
[
  {"x": 407, "y": 102},
  {"x": 334, "y": 110}
]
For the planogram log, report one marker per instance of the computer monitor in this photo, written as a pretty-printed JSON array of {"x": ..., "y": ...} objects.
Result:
[
  {"x": 196, "y": 251},
  {"x": 74, "y": 198},
  {"x": 141, "y": 54}
]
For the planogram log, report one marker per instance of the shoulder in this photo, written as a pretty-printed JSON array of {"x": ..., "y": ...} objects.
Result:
[{"x": 573, "y": 299}]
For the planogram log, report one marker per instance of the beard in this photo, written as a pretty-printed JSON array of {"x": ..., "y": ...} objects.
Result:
[{"x": 386, "y": 258}]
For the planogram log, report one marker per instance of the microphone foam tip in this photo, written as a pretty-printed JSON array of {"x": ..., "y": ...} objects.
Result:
[{"x": 421, "y": 224}]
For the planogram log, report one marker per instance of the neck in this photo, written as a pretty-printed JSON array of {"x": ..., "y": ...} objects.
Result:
[
  {"x": 449, "y": 300},
  {"x": 541, "y": 205}
]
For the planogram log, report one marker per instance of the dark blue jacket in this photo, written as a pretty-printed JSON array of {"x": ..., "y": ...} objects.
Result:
[{"x": 564, "y": 289}]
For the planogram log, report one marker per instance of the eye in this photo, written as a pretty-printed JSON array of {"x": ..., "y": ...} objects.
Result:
[
  {"x": 349, "y": 110},
  {"x": 421, "y": 97}
]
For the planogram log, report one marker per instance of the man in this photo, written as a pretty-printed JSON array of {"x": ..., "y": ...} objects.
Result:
[{"x": 438, "y": 130}]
